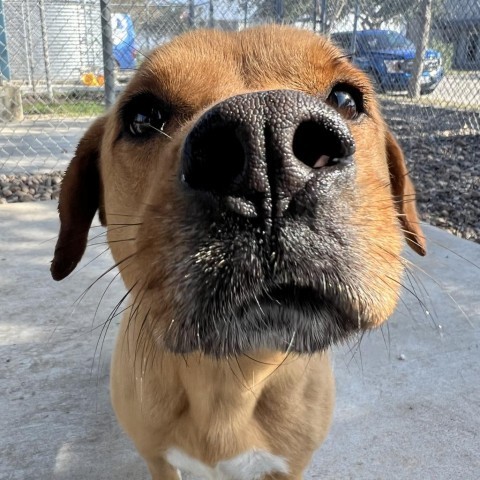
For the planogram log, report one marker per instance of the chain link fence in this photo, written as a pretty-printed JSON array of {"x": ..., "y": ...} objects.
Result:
[{"x": 62, "y": 61}]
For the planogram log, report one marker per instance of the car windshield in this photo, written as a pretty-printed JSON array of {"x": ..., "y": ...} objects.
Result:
[{"x": 386, "y": 41}]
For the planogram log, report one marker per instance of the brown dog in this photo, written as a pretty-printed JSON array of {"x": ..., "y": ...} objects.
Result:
[{"x": 255, "y": 203}]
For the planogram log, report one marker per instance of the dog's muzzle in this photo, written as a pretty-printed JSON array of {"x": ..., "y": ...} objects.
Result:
[{"x": 268, "y": 180}]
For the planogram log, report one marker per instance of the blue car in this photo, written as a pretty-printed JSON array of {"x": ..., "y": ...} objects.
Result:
[
  {"x": 388, "y": 57},
  {"x": 123, "y": 38}
]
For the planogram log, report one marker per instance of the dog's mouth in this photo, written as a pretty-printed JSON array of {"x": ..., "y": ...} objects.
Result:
[
  {"x": 287, "y": 318},
  {"x": 297, "y": 318},
  {"x": 299, "y": 307}
]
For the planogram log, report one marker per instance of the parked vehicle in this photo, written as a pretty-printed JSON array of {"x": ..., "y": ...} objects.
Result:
[
  {"x": 123, "y": 37},
  {"x": 388, "y": 57}
]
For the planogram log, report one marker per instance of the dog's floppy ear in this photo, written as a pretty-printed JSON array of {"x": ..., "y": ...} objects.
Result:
[
  {"x": 404, "y": 196},
  {"x": 80, "y": 197}
]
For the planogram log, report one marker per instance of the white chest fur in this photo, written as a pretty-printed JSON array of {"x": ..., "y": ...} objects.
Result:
[{"x": 251, "y": 465}]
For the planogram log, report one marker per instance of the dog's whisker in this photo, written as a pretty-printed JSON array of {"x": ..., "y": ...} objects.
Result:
[
  {"x": 410, "y": 265},
  {"x": 103, "y": 295},
  {"x": 261, "y": 362},
  {"x": 236, "y": 377},
  {"x": 159, "y": 130},
  {"x": 400, "y": 284},
  {"x": 135, "y": 309},
  {"x": 104, "y": 330},
  {"x": 356, "y": 349},
  {"x": 438, "y": 284},
  {"x": 130, "y": 215},
  {"x": 453, "y": 252},
  {"x": 419, "y": 222},
  {"x": 89, "y": 263},
  {"x": 108, "y": 242},
  {"x": 98, "y": 235},
  {"x": 141, "y": 332},
  {"x": 116, "y": 227},
  {"x": 246, "y": 383},
  {"x": 52, "y": 239},
  {"x": 123, "y": 225},
  {"x": 287, "y": 355},
  {"x": 412, "y": 291},
  {"x": 386, "y": 340},
  {"x": 391, "y": 255},
  {"x": 429, "y": 311},
  {"x": 96, "y": 327},
  {"x": 141, "y": 344},
  {"x": 93, "y": 227},
  {"x": 106, "y": 272},
  {"x": 408, "y": 232}
]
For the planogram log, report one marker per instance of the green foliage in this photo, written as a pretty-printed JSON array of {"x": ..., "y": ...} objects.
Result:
[
  {"x": 65, "y": 108},
  {"x": 372, "y": 13},
  {"x": 292, "y": 11},
  {"x": 295, "y": 11}
]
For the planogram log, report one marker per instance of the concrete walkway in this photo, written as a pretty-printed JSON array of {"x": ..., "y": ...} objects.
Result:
[{"x": 408, "y": 397}]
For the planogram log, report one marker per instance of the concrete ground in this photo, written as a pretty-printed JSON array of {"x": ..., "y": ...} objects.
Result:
[
  {"x": 40, "y": 144},
  {"x": 408, "y": 402}
]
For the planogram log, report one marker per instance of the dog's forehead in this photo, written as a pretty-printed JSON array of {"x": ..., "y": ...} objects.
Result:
[
  {"x": 213, "y": 64},
  {"x": 287, "y": 55}
]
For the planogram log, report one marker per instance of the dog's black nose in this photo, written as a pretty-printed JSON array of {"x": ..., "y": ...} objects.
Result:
[{"x": 258, "y": 150}]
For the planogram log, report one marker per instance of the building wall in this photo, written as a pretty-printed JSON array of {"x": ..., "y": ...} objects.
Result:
[
  {"x": 73, "y": 39},
  {"x": 467, "y": 50},
  {"x": 460, "y": 25},
  {"x": 462, "y": 9}
]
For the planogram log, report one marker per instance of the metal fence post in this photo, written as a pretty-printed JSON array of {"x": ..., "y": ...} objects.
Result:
[
  {"x": 191, "y": 13},
  {"x": 4, "y": 63},
  {"x": 278, "y": 11},
  {"x": 211, "y": 22},
  {"x": 29, "y": 47},
  {"x": 355, "y": 29},
  {"x": 420, "y": 45},
  {"x": 46, "y": 54},
  {"x": 245, "y": 13},
  {"x": 323, "y": 16},
  {"x": 108, "y": 60}
]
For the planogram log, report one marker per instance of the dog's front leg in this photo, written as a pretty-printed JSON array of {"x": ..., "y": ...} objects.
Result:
[{"x": 160, "y": 469}]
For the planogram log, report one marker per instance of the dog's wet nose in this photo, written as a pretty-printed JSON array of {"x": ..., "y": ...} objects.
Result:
[{"x": 259, "y": 149}]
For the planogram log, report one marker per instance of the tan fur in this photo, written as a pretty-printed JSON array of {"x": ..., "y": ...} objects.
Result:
[{"x": 215, "y": 409}]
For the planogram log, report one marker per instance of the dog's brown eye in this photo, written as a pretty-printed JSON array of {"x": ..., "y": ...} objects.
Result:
[
  {"x": 146, "y": 124},
  {"x": 348, "y": 104},
  {"x": 144, "y": 116}
]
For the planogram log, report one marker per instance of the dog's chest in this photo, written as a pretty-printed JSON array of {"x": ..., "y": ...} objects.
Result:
[{"x": 251, "y": 465}]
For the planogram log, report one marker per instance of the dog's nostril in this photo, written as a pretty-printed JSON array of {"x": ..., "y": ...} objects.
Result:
[
  {"x": 316, "y": 145},
  {"x": 213, "y": 160}
]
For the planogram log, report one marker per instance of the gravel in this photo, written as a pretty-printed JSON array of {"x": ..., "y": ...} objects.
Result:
[
  {"x": 30, "y": 188},
  {"x": 442, "y": 149}
]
